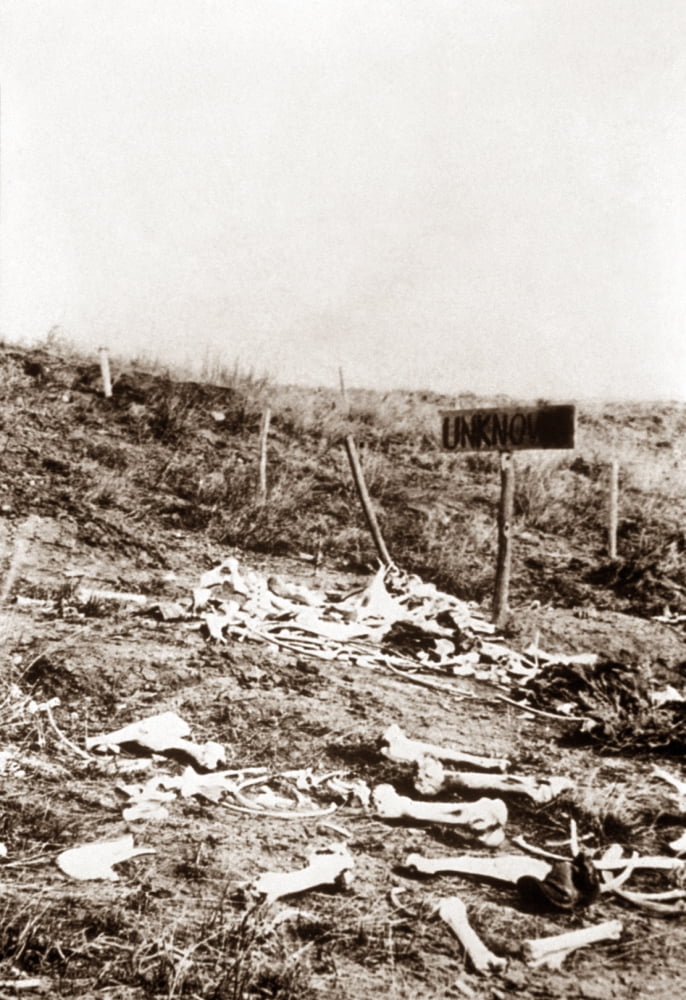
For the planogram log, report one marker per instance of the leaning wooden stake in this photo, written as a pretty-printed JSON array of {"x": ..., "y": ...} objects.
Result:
[
  {"x": 105, "y": 371},
  {"x": 264, "y": 433},
  {"x": 502, "y": 573},
  {"x": 612, "y": 509},
  {"x": 365, "y": 501}
]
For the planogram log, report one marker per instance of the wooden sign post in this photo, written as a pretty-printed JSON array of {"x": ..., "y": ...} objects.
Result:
[{"x": 507, "y": 430}]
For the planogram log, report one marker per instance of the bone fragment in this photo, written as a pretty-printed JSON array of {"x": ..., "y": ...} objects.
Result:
[
  {"x": 679, "y": 845},
  {"x": 163, "y": 734},
  {"x": 95, "y": 861},
  {"x": 676, "y": 783},
  {"x": 404, "y": 750},
  {"x": 576, "y": 659},
  {"x": 453, "y": 911},
  {"x": 293, "y": 592},
  {"x": 431, "y": 778},
  {"x": 552, "y": 951},
  {"x": 85, "y": 594},
  {"x": 508, "y": 868},
  {"x": 667, "y": 904},
  {"x": 147, "y": 801},
  {"x": 325, "y": 867},
  {"x": 483, "y": 819}
]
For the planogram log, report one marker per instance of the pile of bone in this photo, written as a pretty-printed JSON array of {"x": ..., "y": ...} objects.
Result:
[{"x": 395, "y": 619}]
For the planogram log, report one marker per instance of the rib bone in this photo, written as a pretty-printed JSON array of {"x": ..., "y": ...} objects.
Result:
[
  {"x": 453, "y": 911},
  {"x": 506, "y": 868},
  {"x": 552, "y": 951},
  {"x": 431, "y": 778},
  {"x": 406, "y": 751},
  {"x": 483, "y": 819},
  {"x": 325, "y": 867}
]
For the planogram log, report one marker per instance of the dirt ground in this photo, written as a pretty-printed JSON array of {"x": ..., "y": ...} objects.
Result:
[{"x": 181, "y": 922}]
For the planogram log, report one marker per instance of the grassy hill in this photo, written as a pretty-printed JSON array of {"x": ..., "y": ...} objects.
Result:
[{"x": 165, "y": 454}]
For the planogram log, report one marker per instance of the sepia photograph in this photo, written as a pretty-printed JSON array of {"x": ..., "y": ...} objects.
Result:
[{"x": 342, "y": 499}]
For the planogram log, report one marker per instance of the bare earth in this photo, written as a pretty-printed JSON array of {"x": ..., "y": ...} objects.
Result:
[{"x": 182, "y": 922}]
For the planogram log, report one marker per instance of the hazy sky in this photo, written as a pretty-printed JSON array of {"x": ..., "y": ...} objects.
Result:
[{"x": 484, "y": 195}]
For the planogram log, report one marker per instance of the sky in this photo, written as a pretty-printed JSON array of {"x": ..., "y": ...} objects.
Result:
[{"x": 457, "y": 195}]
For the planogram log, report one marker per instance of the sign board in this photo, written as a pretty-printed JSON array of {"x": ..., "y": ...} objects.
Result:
[{"x": 509, "y": 428}]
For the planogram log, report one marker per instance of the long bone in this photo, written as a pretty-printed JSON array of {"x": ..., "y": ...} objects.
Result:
[
  {"x": 552, "y": 951},
  {"x": 506, "y": 868},
  {"x": 453, "y": 911},
  {"x": 483, "y": 819},
  {"x": 398, "y": 747},
  {"x": 163, "y": 734},
  {"x": 431, "y": 778},
  {"x": 325, "y": 867}
]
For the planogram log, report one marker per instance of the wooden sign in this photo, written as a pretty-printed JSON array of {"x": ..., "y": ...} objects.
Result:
[{"x": 509, "y": 428}]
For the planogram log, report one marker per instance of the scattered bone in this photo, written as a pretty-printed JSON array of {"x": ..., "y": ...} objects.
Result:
[
  {"x": 163, "y": 734},
  {"x": 615, "y": 853},
  {"x": 357, "y": 789},
  {"x": 507, "y": 868},
  {"x": 666, "y": 696},
  {"x": 677, "y": 783},
  {"x": 612, "y": 860},
  {"x": 399, "y": 748},
  {"x": 326, "y": 867},
  {"x": 293, "y": 592},
  {"x": 431, "y": 778},
  {"x": 668, "y": 904},
  {"x": 148, "y": 801},
  {"x": 84, "y": 595},
  {"x": 575, "y": 659},
  {"x": 37, "y": 983},
  {"x": 484, "y": 819},
  {"x": 334, "y": 828},
  {"x": 453, "y": 911},
  {"x": 373, "y": 602},
  {"x": 96, "y": 861},
  {"x": 664, "y": 904},
  {"x": 552, "y": 951}
]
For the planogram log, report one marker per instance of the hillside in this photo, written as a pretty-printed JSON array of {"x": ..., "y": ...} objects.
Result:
[{"x": 111, "y": 512}]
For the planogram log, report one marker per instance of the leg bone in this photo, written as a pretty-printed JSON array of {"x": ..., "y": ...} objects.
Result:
[
  {"x": 506, "y": 868},
  {"x": 398, "y": 747},
  {"x": 431, "y": 778},
  {"x": 552, "y": 951},
  {"x": 453, "y": 911},
  {"x": 483, "y": 819}
]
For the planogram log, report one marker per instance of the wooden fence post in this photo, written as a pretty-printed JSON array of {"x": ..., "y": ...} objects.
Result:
[
  {"x": 264, "y": 432},
  {"x": 502, "y": 572},
  {"x": 105, "y": 372},
  {"x": 344, "y": 391},
  {"x": 613, "y": 503}
]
